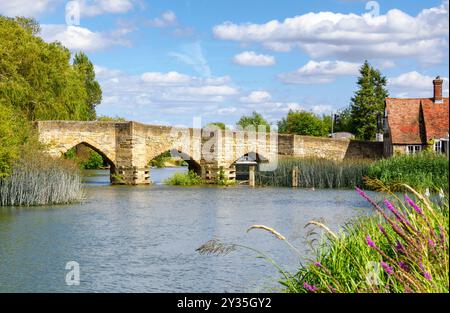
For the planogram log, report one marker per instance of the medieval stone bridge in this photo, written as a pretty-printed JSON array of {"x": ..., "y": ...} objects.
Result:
[{"x": 128, "y": 147}]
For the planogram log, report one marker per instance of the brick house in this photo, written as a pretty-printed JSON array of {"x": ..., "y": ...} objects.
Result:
[{"x": 414, "y": 124}]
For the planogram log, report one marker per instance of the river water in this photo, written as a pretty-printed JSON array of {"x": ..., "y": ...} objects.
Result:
[{"x": 143, "y": 239}]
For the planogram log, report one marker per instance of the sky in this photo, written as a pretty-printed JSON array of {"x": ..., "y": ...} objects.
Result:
[{"x": 167, "y": 62}]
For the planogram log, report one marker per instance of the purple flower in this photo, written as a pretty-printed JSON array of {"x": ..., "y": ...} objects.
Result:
[
  {"x": 310, "y": 288},
  {"x": 427, "y": 276},
  {"x": 391, "y": 208},
  {"x": 361, "y": 193},
  {"x": 413, "y": 205},
  {"x": 403, "y": 265},
  {"x": 400, "y": 247},
  {"x": 370, "y": 242},
  {"x": 431, "y": 243},
  {"x": 381, "y": 228},
  {"x": 318, "y": 264},
  {"x": 387, "y": 268}
]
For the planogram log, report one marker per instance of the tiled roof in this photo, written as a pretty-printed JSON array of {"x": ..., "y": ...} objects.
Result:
[
  {"x": 415, "y": 121},
  {"x": 436, "y": 118}
]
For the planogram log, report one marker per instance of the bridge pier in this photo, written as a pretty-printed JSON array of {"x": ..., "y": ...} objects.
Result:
[{"x": 130, "y": 175}]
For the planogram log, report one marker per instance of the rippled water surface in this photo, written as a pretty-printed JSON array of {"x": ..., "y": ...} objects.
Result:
[{"x": 143, "y": 239}]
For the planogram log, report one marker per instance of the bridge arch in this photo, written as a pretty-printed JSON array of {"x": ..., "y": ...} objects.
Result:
[
  {"x": 95, "y": 148},
  {"x": 193, "y": 165}
]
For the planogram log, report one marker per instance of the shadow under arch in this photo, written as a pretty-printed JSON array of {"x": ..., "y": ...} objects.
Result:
[
  {"x": 108, "y": 160},
  {"x": 193, "y": 165}
]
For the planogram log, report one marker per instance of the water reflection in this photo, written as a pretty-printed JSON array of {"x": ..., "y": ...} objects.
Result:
[{"x": 143, "y": 239}]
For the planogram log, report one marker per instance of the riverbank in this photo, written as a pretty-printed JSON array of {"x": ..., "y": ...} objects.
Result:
[{"x": 403, "y": 249}]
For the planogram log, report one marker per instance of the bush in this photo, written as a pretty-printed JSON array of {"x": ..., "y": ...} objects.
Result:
[
  {"x": 317, "y": 173},
  {"x": 420, "y": 171},
  {"x": 185, "y": 179}
]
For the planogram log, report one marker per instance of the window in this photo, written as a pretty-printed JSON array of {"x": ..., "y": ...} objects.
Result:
[
  {"x": 441, "y": 146},
  {"x": 413, "y": 149}
]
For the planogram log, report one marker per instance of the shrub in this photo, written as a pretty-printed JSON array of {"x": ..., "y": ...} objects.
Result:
[{"x": 185, "y": 179}]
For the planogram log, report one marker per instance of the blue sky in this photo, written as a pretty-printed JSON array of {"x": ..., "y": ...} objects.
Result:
[{"x": 165, "y": 62}]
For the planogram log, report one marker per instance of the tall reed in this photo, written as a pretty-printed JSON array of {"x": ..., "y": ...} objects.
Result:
[
  {"x": 317, "y": 173},
  {"x": 37, "y": 179}
]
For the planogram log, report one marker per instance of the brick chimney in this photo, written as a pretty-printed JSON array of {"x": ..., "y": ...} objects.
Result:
[{"x": 438, "y": 90}]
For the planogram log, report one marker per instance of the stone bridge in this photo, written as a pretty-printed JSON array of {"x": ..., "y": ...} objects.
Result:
[{"x": 128, "y": 147}]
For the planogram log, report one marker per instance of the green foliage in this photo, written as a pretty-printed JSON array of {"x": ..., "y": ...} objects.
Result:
[
  {"x": 94, "y": 93},
  {"x": 305, "y": 123},
  {"x": 345, "y": 121},
  {"x": 218, "y": 124},
  {"x": 110, "y": 119},
  {"x": 368, "y": 102},
  {"x": 95, "y": 161},
  {"x": 317, "y": 173},
  {"x": 256, "y": 120},
  {"x": 89, "y": 160},
  {"x": 410, "y": 253},
  {"x": 420, "y": 171},
  {"x": 161, "y": 159},
  {"x": 14, "y": 132},
  {"x": 185, "y": 179},
  {"x": 37, "y": 79},
  {"x": 222, "y": 179}
]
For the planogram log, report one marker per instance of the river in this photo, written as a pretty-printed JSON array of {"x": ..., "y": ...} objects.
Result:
[{"x": 143, "y": 239}]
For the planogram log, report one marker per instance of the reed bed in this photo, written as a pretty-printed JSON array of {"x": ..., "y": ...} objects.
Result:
[
  {"x": 37, "y": 179},
  {"x": 316, "y": 173}
]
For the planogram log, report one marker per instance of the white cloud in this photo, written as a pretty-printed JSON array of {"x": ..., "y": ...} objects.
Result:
[
  {"x": 250, "y": 58},
  {"x": 165, "y": 78},
  {"x": 80, "y": 38},
  {"x": 351, "y": 36},
  {"x": 320, "y": 72},
  {"x": 413, "y": 84},
  {"x": 97, "y": 7},
  {"x": 167, "y": 19},
  {"x": 257, "y": 97},
  {"x": 27, "y": 8}
]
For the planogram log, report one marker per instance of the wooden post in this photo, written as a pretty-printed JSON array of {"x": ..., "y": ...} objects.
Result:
[
  {"x": 295, "y": 172},
  {"x": 251, "y": 176}
]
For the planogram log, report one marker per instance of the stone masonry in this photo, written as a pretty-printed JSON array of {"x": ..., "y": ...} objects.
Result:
[{"x": 128, "y": 147}]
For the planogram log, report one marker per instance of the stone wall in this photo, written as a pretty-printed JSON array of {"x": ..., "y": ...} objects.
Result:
[{"x": 327, "y": 148}]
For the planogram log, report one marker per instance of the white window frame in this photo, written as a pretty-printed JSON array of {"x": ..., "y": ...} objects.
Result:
[
  {"x": 413, "y": 149},
  {"x": 439, "y": 144}
]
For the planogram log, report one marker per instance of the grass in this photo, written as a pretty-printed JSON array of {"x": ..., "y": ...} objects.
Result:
[
  {"x": 317, "y": 173},
  {"x": 185, "y": 179},
  {"x": 421, "y": 171},
  {"x": 37, "y": 179}
]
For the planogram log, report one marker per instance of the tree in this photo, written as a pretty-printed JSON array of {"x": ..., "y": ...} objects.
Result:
[
  {"x": 256, "y": 120},
  {"x": 94, "y": 93},
  {"x": 344, "y": 123},
  {"x": 368, "y": 102},
  {"x": 218, "y": 124},
  {"x": 305, "y": 123},
  {"x": 37, "y": 78}
]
